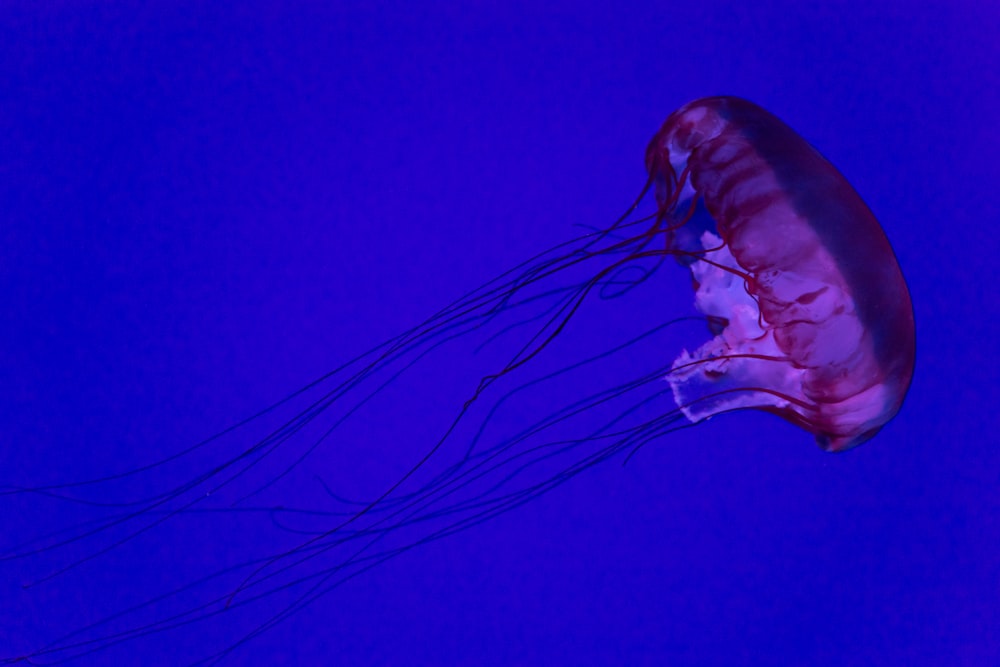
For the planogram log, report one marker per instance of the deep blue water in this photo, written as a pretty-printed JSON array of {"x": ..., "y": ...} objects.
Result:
[{"x": 202, "y": 210}]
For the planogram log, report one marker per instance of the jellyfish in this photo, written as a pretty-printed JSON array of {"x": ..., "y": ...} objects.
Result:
[
  {"x": 808, "y": 316},
  {"x": 816, "y": 319}
]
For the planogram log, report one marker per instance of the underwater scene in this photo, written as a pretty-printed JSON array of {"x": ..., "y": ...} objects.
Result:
[{"x": 499, "y": 334}]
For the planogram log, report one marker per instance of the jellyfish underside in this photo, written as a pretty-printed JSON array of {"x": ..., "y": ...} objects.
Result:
[
  {"x": 517, "y": 332},
  {"x": 743, "y": 366}
]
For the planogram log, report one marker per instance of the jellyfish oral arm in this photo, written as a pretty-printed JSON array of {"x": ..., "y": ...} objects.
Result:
[{"x": 715, "y": 377}]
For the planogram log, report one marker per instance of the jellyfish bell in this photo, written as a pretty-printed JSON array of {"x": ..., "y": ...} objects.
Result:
[
  {"x": 796, "y": 280},
  {"x": 820, "y": 326}
]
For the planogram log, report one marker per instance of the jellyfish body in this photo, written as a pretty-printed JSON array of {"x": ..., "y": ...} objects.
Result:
[{"x": 818, "y": 325}]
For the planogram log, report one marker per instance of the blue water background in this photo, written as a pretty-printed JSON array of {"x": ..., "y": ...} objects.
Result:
[{"x": 204, "y": 208}]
